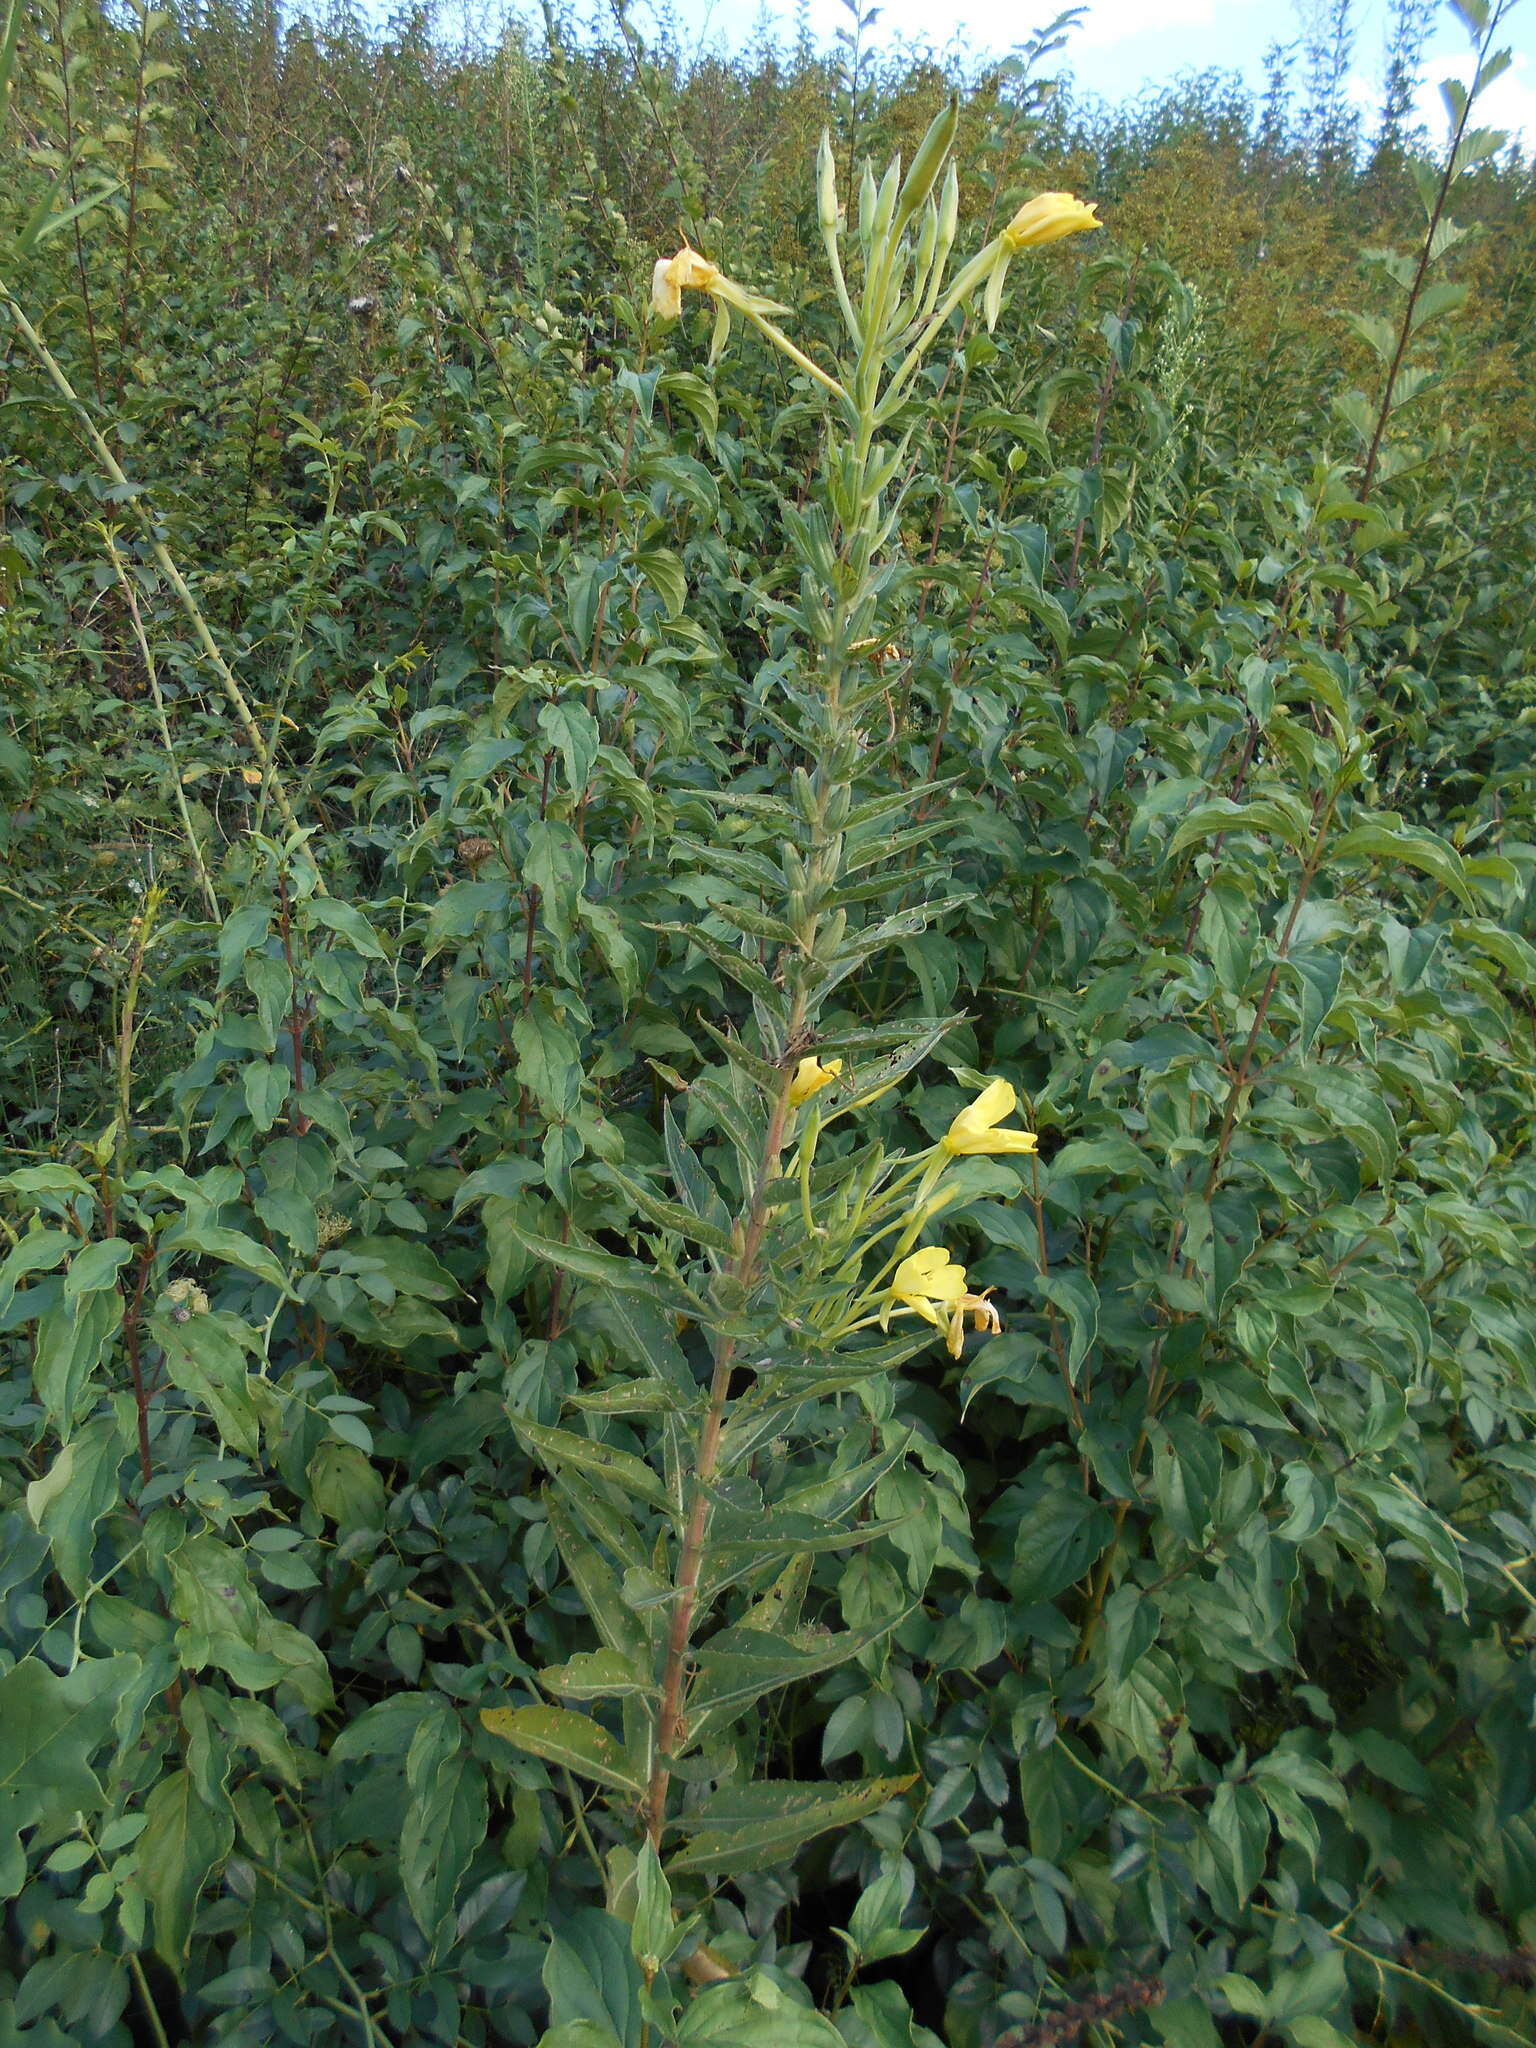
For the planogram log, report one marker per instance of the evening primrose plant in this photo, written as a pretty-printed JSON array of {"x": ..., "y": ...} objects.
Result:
[{"x": 774, "y": 1289}]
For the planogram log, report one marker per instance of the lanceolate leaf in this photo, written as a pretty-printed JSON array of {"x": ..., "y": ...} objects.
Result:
[
  {"x": 596, "y": 1675},
  {"x": 749, "y": 1827},
  {"x": 629, "y": 1276},
  {"x": 739, "y": 1665},
  {"x": 561, "y": 1736},
  {"x": 599, "y": 1461}
]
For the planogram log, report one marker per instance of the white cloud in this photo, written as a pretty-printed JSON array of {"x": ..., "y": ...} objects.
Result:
[
  {"x": 1111, "y": 22},
  {"x": 1510, "y": 102},
  {"x": 998, "y": 25}
]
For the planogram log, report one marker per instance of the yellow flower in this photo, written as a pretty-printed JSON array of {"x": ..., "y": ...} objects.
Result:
[
  {"x": 1047, "y": 219},
  {"x": 929, "y": 1284},
  {"x": 811, "y": 1076},
  {"x": 974, "y": 1129},
  {"x": 983, "y": 1317},
  {"x": 687, "y": 270}
]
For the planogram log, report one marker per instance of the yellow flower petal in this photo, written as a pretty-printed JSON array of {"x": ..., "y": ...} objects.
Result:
[
  {"x": 983, "y": 1317},
  {"x": 810, "y": 1076},
  {"x": 1047, "y": 219},
  {"x": 927, "y": 1283},
  {"x": 666, "y": 299},
  {"x": 975, "y": 1129},
  {"x": 930, "y": 1271},
  {"x": 672, "y": 276}
]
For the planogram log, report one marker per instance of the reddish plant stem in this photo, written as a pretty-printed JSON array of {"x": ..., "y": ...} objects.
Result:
[
  {"x": 298, "y": 1122},
  {"x": 530, "y": 928},
  {"x": 531, "y": 896},
  {"x": 133, "y": 1313},
  {"x": 669, "y": 1723}
]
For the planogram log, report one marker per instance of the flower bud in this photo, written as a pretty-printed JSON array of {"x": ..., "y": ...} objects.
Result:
[
  {"x": 826, "y": 185},
  {"x": 1047, "y": 219}
]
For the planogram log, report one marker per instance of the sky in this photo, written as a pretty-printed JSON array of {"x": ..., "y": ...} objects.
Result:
[{"x": 1124, "y": 46}]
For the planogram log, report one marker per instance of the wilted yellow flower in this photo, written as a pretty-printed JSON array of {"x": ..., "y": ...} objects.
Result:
[
  {"x": 1048, "y": 218},
  {"x": 975, "y": 1129},
  {"x": 687, "y": 270},
  {"x": 810, "y": 1077},
  {"x": 930, "y": 1284}
]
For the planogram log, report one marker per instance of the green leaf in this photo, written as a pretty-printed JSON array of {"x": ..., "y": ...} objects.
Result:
[
  {"x": 1318, "y": 974},
  {"x": 1239, "y": 1823},
  {"x": 1279, "y": 818},
  {"x": 881, "y": 2009},
  {"x": 1308, "y": 2030},
  {"x": 1376, "y": 333},
  {"x": 592, "y": 1977},
  {"x": 1078, "y": 1299},
  {"x": 74, "y": 1493},
  {"x": 1393, "y": 1762},
  {"x": 71, "y": 1341},
  {"x": 596, "y": 1675},
  {"x": 1357, "y": 1108},
  {"x": 597, "y": 1583},
  {"x": 653, "y": 1933},
  {"x": 96, "y": 1266},
  {"x": 732, "y": 962},
  {"x": 1060, "y": 1532},
  {"x": 691, "y": 392},
  {"x": 618, "y": 1468},
  {"x": 560, "y": 1736},
  {"x": 754, "y": 2012},
  {"x": 345, "y": 1487},
  {"x": 408, "y": 1266},
  {"x": 1387, "y": 838},
  {"x": 50, "y": 1727},
  {"x": 739, "y": 1665},
  {"x": 1427, "y": 1537},
  {"x": 875, "y": 1923},
  {"x": 749, "y": 1827},
  {"x": 224, "y": 1623},
  {"x": 179, "y": 1850},
  {"x": 205, "y": 1358},
  {"x": 231, "y": 1248},
  {"x": 1185, "y": 2023},
  {"x": 347, "y": 922},
  {"x": 673, "y": 1216},
  {"x": 445, "y": 1817},
  {"x": 266, "y": 1084},
  {"x": 572, "y": 731},
  {"x": 612, "y": 942},
  {"x": 548, "y": 1062},
  {"x": 38, "y": 1252},
  {"x": 662, "y": 569},
  {"x": 629, "y": 1276},
  {"x": 643, "y": 1337}
]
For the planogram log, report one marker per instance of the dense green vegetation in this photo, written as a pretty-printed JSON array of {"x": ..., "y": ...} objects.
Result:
[{"x": 541, "y": 842}]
